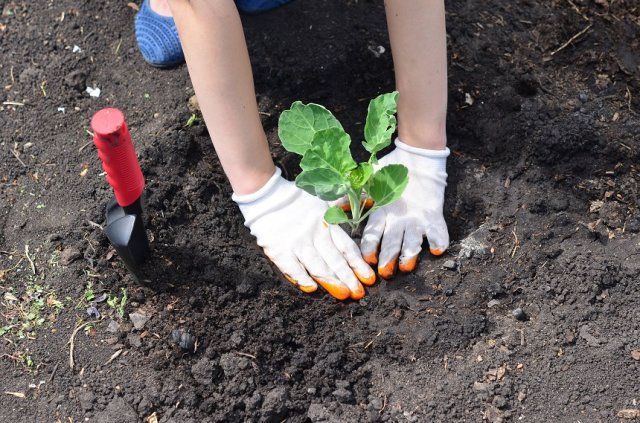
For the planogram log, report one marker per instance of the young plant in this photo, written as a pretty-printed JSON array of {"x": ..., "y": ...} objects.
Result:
[{"x": 328, "y": 169}]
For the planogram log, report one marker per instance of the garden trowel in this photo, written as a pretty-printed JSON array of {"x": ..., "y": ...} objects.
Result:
[{"x": 125, "y": 228}]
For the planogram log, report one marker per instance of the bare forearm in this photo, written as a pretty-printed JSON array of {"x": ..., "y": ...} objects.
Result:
[
  {"x": 418, "y": 44},
  {"x": 216, "y": 54}
]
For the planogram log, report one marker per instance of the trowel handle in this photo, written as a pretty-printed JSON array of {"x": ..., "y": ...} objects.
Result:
[{"x": 119, "y": 160}]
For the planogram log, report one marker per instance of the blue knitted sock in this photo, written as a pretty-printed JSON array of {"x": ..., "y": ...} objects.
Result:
[
  {"x": 157, "y": 38},
  {"x": 157, "y": 35}
]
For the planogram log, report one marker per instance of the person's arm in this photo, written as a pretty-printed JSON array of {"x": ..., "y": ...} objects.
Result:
[
  {"x": 394, "y": 233},
  {"x": 287, "y": 222},
  {"x": 216, "y": 54},
  {"x": 419, "y": 48}
]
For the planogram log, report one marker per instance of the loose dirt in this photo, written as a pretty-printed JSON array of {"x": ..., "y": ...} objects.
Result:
[{"x": 542, "y": 206}]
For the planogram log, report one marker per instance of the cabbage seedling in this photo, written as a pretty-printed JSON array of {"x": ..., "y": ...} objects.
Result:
[{"x": 328, "y": 169}]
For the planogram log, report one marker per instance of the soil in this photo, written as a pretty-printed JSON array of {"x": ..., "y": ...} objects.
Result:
[{"x": 542, "y": 206}]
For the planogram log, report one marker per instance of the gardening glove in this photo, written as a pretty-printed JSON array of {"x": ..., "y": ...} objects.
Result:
[
  {"x": 288, "y": 224},
  {"x": 402, "y": 224}
]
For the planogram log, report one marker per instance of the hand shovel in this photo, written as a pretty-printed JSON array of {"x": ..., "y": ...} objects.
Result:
[{"x": 125, "y": 228}]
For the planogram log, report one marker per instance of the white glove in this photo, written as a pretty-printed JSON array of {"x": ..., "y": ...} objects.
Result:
[
  {"x": 288, "y": 223},
  {"x": 418, "y": 213}
]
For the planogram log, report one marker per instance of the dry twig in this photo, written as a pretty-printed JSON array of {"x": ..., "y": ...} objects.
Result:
[
  {"x": 516, "y": 242},
  {"x": 572, "y": 39},
  {"x": 17, "y": 157},
  {"x": 71, "y": 342},
  {"x": 113, "y": 356},
  {"x": 371, "y": 342},
  {"x": 247, "y": 355},
  {"x": 53, "y": 372},
  {"x": 26, "y": 253}
]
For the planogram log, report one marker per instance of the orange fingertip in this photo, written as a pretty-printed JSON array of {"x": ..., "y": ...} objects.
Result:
[
  {"x": 358, "y": 293},
  {"x": 372, "y": 258},
  {"x": 436, "y": 251},
  {"x": 308, "y": 289},
  {"x": 305, "y": 289},
  {"x": 368, "y": 203},
  {"x": 339, "y": 292},
  {"x": 389, "y": 269},
  {"x": 366, "y": 280},
  {"x": 409, "y": 265},
  {"x": 345, "y": 207}
]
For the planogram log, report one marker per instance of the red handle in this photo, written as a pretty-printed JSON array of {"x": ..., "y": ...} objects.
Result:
[{"x": 119, "y": 160}]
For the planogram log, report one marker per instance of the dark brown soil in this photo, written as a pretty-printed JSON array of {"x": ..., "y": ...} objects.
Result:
[{"x": 542, "y": 206}]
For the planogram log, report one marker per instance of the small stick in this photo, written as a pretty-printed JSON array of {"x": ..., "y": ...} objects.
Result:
[
  {"x": 516, "y": 243},
  {"x": 18, "y": 157},
  {"x": 578, "y": 10},
  {"x": 71, "y": 342},
  {"x": 12, "y": 103},
  {"x": 84, "y": 40},
  {"x": 97, "y": 225},
  {"x": 26, "y": 253},
  {"x": 371, "y": 342},
  {"x": 53, "y": 373},
  {"x": 384, "y": 404},
  {"x": 84, "y": 146},
  {"x": 114, "y": 356},
  {"x": 572, "y": 39},
  {"x": 629, "y": 94},
  {"x": 118, "y": 47},
  {"x": 247, "y": 355}
]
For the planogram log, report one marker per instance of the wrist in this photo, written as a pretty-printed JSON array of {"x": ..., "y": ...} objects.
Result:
[
  {"x": 428, "y": 137},
  {"x": 263, "y": 190},
  {"x": 424, "y": 152}
]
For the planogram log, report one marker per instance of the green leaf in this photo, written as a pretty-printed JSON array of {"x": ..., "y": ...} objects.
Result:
[
  {"x": 387, "y": 184},
  {"x": 335, "y": 215},
  {"x": 360, "y": 176},
  {"x": 329, "y": 150},
  {"x": 326, "y": 184},
  {"x": 381, "y": 122},
  {"x": 298, "y": 126}
]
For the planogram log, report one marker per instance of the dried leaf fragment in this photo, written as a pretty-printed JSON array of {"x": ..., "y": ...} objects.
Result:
[
  {"x": 468, "y": 100},
  {"x": 595, "y": 206},
  {"x": 635, "y": 354},
  {"x": 629, "y": 413},
  {"x": 496, "y": 374}
]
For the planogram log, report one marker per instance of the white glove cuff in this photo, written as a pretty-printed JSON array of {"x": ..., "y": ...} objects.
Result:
[
  {"x": 435, "y": 154},
  {"x": 266, "y": 188},
  {"x": 273, "y": 196}
]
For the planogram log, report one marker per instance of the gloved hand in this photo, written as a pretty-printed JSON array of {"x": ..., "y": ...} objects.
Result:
[
  {"x": 288, "y": 224},
  {"x": 418, "y": 213}
]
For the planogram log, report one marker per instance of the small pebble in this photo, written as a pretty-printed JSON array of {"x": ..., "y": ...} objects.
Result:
[
  {"x": 493, "y": 303},
  {"x": 69, "y": 255},
  {"x": 519, "y": 314},
  {"x": 138, "y": 320},
  {"x": 449, "y": 292},
  {"x": 499, "y": 401},
  {"x": 495, "y": 290},
  {"x": 184, "y": 339},
  {"x": 449, "y": 264},
  {"x": 583, "y": 97}
]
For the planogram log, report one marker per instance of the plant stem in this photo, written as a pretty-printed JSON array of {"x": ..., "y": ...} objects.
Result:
[
  {"x": 354, "y": 201},
  {"x": 365, "y": 215}
]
